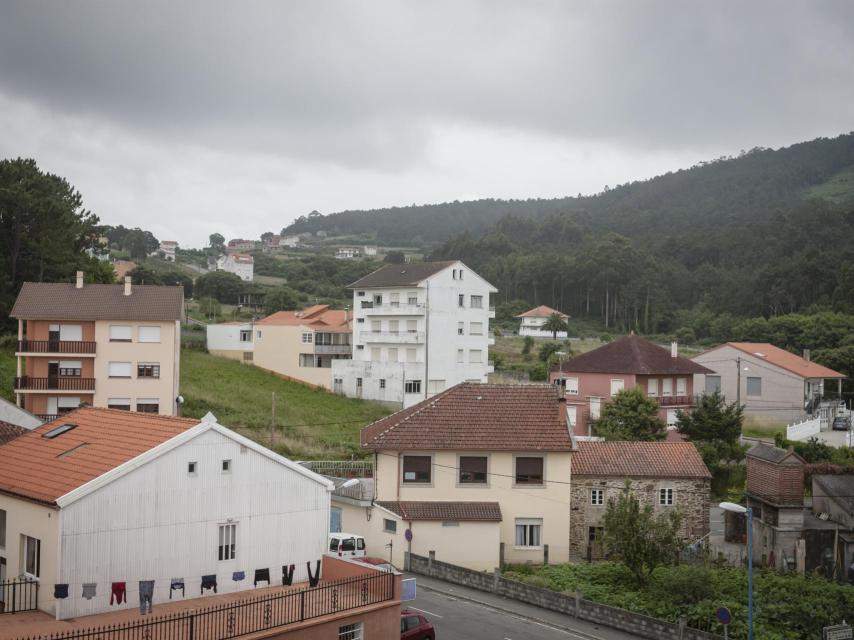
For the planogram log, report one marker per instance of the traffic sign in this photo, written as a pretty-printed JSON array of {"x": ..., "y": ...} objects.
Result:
[{"x": 724, "y": 616}]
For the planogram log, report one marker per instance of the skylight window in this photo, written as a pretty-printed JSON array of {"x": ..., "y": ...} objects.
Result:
[{"x": 58, "y": 431}]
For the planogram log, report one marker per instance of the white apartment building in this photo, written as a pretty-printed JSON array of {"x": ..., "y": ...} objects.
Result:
[
  {"x": 239, "y": 264},
  {"x": 168, "y": 248},
  {"x": 418, "y": 329}
]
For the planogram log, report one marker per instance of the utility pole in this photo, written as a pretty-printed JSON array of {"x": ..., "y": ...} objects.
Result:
[
  {"x": 738, "y": 381},
  {"x": 272, "y": 419}
]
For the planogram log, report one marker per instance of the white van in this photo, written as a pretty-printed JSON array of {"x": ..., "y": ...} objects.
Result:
[{"x": 347, "y": 545}]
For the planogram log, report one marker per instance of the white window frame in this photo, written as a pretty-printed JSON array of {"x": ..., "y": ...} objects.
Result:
[
  {"x": 617, "y": 385},
  {"x": 145, "y": 333},
  {"x": 352, "y": 631},
  {"x": 26, "y": 542},
  {"x": 192, "y": 468},
  {"x": 415, "y": 385},
  {"x": 461, "y": 328},
  {"x": 307, "y": 337},
  {"x": 681, "y": 386},
  {"x": 116, "y": 370},
  {"x": 476, "y": 302},
  {"x": 667, "y": 387},
  {"x": 572, "y": 414},
  {"x": 717, "y": 386},
  {"x": 530, "y": 536},
  {"x": 595, "y": 407},
  {"x": 225, "y": 467},
  {"x": 227, "y": 541},
  {"x": 475, "y": 356},
  {"x": 121, "y": 333},
  {"x": 597, "y": 497},
  {"x": 389, "y": 525},
  {"x": 476, "y": 328},
  {"x": 747, "y": 387},
  {"x": 652, "y": 387},
  {"x": 461, "y": 356},
  {"x": 113, "y": 403},
  {"x": 666, "y": 497},
  {"x": 571, "y": 386},
  {"x": 148, "y": 401}
]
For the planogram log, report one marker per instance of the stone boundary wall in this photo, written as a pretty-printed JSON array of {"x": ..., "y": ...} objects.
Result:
[{"x": 576, "y": 606}]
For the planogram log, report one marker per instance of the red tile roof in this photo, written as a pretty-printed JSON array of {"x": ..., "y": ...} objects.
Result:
[
  {"x": 631, "y": 354},
  {"x": 60, "y": 301},
  {"x": 541, "y": 312},
  {"x": 45, "y": 469},
  {"x": 786, "y": 360},
  {"x": 9, "y": 432},
  {"x": 320, "y": 317},
  {"x": 477, "y": 417},
  {"x": 639, "y": 460},
  {"x": 462, "y": 511}
]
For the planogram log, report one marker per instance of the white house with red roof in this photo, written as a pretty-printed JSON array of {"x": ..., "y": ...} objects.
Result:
[
  {"x": 774, "y": 385},
  {"x": 240, "y": 264},
  {"x": 102, "y": 501},
  {"x": 532, "y": 322}
]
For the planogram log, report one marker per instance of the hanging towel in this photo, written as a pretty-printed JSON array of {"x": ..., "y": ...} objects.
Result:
[
  {"x": 208, "y": 582},
  {"x": 288, "y": 574},
  {"x": 119, "y": 592},
  {"x": 237, "y": 576},
  {"x": 313, "y": 580},
  {"x": 60, "y": 591},
  {"x": 89, "y": 590},
  {"x": 176, "y": 583},
  {"x": 260, "y": 576},
  {"x": 146, "y": 595}
]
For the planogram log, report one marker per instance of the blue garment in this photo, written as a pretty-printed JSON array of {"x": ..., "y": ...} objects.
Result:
[
  {"x": 146, "y": 595},
  {"x": 237, "y": 576},
  {"x": 60, "y": 591}
]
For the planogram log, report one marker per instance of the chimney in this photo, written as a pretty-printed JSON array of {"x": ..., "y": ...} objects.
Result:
[
  {"x": 79, "y": 283},
  {"x": 807, "y": 355},
  {"x": 674, "y": 351},
  {"x": 127, "y": 286}
]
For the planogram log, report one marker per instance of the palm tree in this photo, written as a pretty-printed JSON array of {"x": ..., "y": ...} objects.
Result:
[{"x": 555, "y": 323}]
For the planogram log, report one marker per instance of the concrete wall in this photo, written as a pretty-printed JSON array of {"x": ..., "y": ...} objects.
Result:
[
  {"x": 690, "y": 497},
  {"x": 550, "y": 502},
  {"x": 224, "y": 340},
  {"x": 26, "y": 518},
  {"x": 278, "y": 349}
]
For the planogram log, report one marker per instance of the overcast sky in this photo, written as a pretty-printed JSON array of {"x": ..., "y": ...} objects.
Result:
[{"x": 193, "y": 117}]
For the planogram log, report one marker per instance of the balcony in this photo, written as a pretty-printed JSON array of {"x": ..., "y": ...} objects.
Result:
[
  {"x": 674, "y": 401},
  {"x": 400, "y": 337},
  {"x": 56, "y": 346},
  {"x": 393, "y": 309},
  {"x": 54, "y": 383},
  {"x": 333, "y": 349}
]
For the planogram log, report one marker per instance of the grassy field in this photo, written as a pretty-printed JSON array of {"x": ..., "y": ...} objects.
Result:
[
  {"x": 839, "y": 189},
  {"x": 7, "y": 370},
  {"x": 509, "y": 349},
  {"x": 309, "y": 423}
]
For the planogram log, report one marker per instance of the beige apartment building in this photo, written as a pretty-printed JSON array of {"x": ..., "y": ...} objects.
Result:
[
  {"x": 102, "y": 345},
  {"x": 299, "y": 345}
]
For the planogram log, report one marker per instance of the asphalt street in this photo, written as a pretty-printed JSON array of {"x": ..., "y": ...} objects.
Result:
[{"x": 494, "y": 618}]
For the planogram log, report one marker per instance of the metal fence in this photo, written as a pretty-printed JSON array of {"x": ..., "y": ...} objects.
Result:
[
  {"x": 19, "y": 595},
  {"x": 232, "y": 620}
]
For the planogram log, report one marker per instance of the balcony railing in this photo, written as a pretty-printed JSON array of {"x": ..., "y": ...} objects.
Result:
[
  {"x": 56, "y": 346},
  {"x": 333, "y": 348},
  {"x": 404, "y": 337},
  {"x": 678, "y": 400},
  {"x": 47, "y": 417},
  {"x": 394, "y": 308},
  {"x": 54, "y": 383}
]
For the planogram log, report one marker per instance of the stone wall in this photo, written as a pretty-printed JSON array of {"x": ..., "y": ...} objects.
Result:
[
  {"x": 691, "y": 498},
  {"x": 576, "y": 606}
]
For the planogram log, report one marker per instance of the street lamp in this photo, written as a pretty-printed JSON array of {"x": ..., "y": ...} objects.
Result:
[{"x": 737, "y": 508}]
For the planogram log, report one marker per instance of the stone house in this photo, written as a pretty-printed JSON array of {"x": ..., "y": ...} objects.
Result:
[{"x": 667, "y": 475}]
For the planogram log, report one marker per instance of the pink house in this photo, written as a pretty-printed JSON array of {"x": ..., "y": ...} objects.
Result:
[{"x": 592, "y": 378}]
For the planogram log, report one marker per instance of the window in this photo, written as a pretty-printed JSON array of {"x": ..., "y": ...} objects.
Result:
[
  {"x": 409, "y": 623},
  {"x": 2, "y": 528},
  {"x": 412, "y": 298},
  {"x": 395, "y": 299},
  {"x": 461, "y": 356},
  {"x": 31, "y": 551},
  {"x": 376, "y": 326},
  {"x": 475, "y": 356},
  {"x": 248, "y": 356},
  {"x": 461, "y": 300},
  {"x": 361, "y": 294},
  {"x": 435, "y": 386},
  {"x": 672, "y": 417},
  {"x": 572, "y": 414},
  {"x": 652, "y": 387},
  {"x": 412, "y": 326},
  {"x": 226, "y": 466},
  {"x": 681, "y": 386},
  {"x": 121, "y": 333},
  {"x": 713, "y": 384},
  {"x": 455, "y": 274},
  {"x": 258, "y": 333},
  {"x": 595, "y": 408},
  {"x": 597, "y": 497},
  {"x": 412, "y": 386},
  {"x": 360, "y": 320},
  {"x": 351, "y": 632},
  {"x": 389, "y": 526},
  {"x": 148, "y": 405},
  {"x": 477, "y": 302},
  {"x": 358, "y": 383},
  {"x": 461, "y": 274},
  {"x": 617, "y": 385},
  {"x": 529, "y": 470},
  {"x": 306, "y": 360},
  {"x": 58, "y": 431},
  {"x": 382, "y": 383},
  {"x": 473, "y": 469},
  {"x": 192, "y": 468},
  {"x": 246, "y": 335},
  {"x": 227, "y": 541},
  {"x": 571, "y": 386},
  {"x": 667, "y": 387},
  {"x": 118, "y": 370},
  {"x": 147, "y": 369},
  {"x": 665, "y": 497},
  {"x": 393, "y": 326},
  {"x": 119, "y": 403},
  {"x": 450, "y": 523},
  {"x": 461, "y": 328},
  {"x": 360, "y": 347},
  {"x": 392, "y": 354},
  {"x": 149, "y": 334},
  {"x": 376, "y": 354},
  {"x": 378, "y": 299},
  {"x": 528, "y": 532},
  {"x": 410, "y": 355},
  {"x": 70, "y": 368},
  {"x": 754, "y": 386},
  {"x": 417, "y": 468},
  {"x": 307, "y": 338},
  {"x": 70, "y": 332},
  {"x": 476, "y": 328}
]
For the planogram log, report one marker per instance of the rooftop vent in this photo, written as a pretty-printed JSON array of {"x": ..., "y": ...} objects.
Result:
[{"x": 58, "y": 431}]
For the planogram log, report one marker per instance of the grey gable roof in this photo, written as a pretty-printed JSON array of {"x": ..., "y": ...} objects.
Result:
[
  {"x": 401, "y": 275},
  {"x": 61, "y": 301},
  {"x": 771, "y": 453}
]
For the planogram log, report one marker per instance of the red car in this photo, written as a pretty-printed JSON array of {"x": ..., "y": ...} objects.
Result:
[{"x": 414, "y": 626}]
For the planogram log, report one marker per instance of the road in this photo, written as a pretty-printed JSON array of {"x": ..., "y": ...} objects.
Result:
[{"x": 456, "y": 618}]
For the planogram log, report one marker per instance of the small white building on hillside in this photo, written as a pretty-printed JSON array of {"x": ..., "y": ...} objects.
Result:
[
  {"x": 532, "y": 322},
  {"x": 240, "y": 264},
  {"x": 231, "y": 340},
  {"x": 418, "y": 329},
  {"x": 102, "y": 500},
  {"x": 168, "y": 249}
]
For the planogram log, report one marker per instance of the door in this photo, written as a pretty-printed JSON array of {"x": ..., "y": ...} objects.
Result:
[
  {"x": 52, "y": 374},
  {"x": 52, "y": 406},
  {"x": 335, "y": 520},
  {"x": 2, "y": 580},
  {"x": 53, "y": 337},
  {"x": 595, "y": 408}
]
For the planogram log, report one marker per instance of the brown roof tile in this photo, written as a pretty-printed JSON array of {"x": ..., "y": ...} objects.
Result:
[
  {"x": 9, "y": 432},
  {"x": 541, "y": 312},
  {"x": 631, "y": 354},
  {"x": 639, "y": 460},
  {"x": 463, "y": 511},
  {"x": 477, "y": 417},
  {"x": 786, "y": 360},
  {"x": 35, "y": 467},
  {"x": 319, "y": 317},
  {"x": 60, "y": 301},
  {"x": 401, "y": 275}
]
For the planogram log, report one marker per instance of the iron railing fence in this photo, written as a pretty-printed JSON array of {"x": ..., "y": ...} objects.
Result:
[{"x": 19, "y": 595}]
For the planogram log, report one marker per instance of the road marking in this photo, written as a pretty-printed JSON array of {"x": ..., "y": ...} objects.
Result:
[{"x": 430, "y": 613}]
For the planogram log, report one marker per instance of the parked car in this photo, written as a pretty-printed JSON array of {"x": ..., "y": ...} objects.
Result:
[
  {"x": 347, "y": 545},
  {"x": 841, "y": 423},
  {"x": 380, "y": 563},
  {"x": 414, "y": 626}
]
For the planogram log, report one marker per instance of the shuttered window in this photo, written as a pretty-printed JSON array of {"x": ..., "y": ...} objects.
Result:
[
  {"x": 121, "y": 333},
  {"x": 119, "y": 370},
  {"x": 529, "y": 470},
  {"x": 149, "y": 334}
]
